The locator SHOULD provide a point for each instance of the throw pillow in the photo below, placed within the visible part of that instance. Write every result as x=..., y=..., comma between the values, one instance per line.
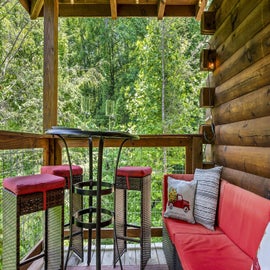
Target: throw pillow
x=207, y=196
x=262, y=260
x=180, y=199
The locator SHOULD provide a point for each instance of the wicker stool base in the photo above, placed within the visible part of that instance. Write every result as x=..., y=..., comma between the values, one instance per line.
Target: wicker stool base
x=76, y=244
x=16, y=206
x=143, y=185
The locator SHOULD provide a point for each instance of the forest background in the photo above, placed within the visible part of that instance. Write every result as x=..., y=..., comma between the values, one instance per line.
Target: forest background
x=131, y=74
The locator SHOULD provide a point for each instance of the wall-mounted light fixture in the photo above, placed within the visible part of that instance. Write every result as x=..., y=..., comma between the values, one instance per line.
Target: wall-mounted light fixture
x=208, y=60
x=208, y=23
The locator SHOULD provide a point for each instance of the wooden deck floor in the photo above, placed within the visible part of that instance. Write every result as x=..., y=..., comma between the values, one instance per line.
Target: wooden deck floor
x=131, y=257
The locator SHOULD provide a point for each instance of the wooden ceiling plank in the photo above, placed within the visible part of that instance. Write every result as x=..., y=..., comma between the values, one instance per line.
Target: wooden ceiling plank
x=84, y=10
x=113, y=5
x=36, y=6
x=179, y=11
x=161, y=9
x=131, y=2
x=124, y=11
x=200, y=9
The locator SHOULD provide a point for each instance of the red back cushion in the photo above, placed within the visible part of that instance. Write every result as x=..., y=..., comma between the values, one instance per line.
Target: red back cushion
x=243, y=216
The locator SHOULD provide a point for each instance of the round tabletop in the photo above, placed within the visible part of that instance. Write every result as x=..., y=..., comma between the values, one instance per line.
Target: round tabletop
x=76, y=132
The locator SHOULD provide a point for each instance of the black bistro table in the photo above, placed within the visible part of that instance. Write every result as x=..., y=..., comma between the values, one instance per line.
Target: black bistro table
x=94, y=216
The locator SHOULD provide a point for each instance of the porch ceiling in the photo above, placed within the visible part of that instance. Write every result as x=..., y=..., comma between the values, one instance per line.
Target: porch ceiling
x=120, y=8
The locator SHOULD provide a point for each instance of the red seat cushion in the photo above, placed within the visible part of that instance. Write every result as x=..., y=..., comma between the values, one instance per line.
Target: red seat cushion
x=210, y=252
x=62, y=170
x=21, y=185
x=136, y=172
x=175, y=226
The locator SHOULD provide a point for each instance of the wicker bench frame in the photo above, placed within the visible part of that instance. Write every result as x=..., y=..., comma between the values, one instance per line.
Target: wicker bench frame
x=169, y=250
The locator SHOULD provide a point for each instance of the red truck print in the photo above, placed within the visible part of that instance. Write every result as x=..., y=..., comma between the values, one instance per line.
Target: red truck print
x=177, y=200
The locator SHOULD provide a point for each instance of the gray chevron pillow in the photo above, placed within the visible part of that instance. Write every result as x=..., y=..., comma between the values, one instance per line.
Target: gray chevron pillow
x=206, y=197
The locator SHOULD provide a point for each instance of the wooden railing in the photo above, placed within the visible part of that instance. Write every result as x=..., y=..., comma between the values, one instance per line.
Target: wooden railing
x=53, y=148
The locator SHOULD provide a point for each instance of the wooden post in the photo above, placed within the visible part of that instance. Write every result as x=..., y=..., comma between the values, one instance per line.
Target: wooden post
x=196, y=153
x=50, y=76
x=189, y=158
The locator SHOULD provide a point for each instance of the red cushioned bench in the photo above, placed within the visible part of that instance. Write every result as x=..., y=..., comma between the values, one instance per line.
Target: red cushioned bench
x=241, y=221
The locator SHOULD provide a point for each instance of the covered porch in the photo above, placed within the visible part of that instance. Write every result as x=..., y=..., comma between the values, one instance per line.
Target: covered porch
x=236, y=99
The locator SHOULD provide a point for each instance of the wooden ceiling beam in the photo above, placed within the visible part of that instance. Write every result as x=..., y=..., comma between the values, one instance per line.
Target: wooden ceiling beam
x=113, y=5
x=124, y=11
x=36, y=6
x=161, y=9
x=130, y=2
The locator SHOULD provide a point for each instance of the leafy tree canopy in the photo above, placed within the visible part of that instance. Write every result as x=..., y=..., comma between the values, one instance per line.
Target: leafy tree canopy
x=132, y=74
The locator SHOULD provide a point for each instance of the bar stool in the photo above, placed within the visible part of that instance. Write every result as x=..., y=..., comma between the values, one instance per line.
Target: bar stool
x=77, y=203
x=132, y=179
x=28, y=194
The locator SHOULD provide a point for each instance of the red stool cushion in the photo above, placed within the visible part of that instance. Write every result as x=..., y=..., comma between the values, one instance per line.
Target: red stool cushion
x=62, y=170
x=21, y=185
x=131, y=171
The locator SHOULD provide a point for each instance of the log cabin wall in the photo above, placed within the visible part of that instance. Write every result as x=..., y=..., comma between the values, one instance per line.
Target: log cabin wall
x=241, y=112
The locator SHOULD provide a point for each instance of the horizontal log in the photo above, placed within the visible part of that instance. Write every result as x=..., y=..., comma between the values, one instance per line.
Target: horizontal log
x=253, y=105
x=248, y=80
x=255, y=132
x=255, y=49
x=229, y=17
x=251, y=182
x=254, y=160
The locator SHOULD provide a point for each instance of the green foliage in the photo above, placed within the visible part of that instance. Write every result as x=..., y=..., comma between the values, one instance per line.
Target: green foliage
x=100, y=60
x=148, y=69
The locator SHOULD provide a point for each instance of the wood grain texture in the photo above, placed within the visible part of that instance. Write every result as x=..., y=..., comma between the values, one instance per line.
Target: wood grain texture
x=255, y=132
x=50, y=81
x=251, y=182
x=250, y=79
x=253, y=160
x=253, y=105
